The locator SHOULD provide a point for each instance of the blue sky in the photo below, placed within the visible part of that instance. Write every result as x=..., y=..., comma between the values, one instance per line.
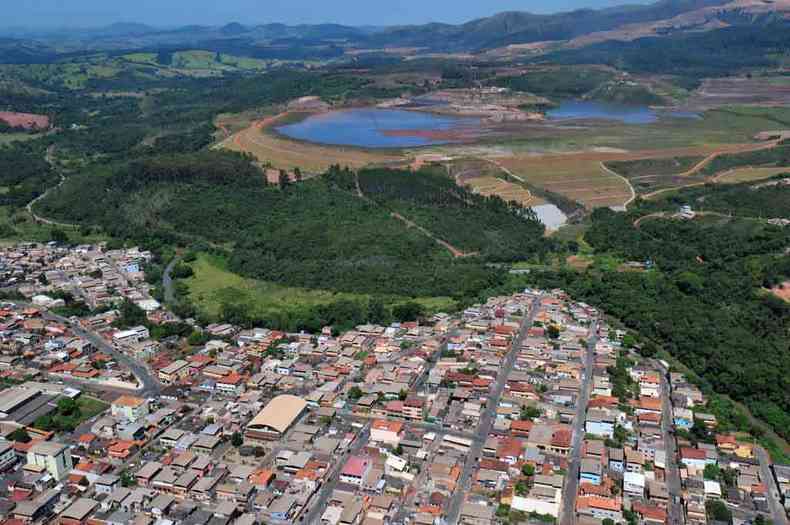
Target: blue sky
x=83, y=13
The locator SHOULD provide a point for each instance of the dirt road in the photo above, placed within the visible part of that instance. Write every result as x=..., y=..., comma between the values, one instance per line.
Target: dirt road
x=50, y=157
x=411, y=224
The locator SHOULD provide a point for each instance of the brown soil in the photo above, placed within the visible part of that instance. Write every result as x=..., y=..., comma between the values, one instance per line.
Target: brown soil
x=577, y=263
x=782, y=291
x=24, y=120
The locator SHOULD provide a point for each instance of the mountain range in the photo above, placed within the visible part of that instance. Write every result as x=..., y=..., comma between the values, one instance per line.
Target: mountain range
x=568, y=29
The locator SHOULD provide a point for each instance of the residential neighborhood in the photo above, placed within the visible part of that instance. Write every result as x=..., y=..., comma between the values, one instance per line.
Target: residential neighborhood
x=528, y=408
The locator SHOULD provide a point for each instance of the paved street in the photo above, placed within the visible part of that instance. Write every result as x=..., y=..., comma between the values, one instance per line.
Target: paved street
x=167, y=282
x=568, y=511
x=675, y=508
x=149, y=384
x=487, y=419
x=318, y=506
x=778, y=515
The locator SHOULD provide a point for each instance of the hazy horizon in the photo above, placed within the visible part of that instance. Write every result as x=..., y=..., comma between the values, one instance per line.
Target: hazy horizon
x=51, y=14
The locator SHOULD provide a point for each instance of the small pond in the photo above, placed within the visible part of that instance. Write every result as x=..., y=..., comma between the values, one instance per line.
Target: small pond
x=587, y=109
x=550, y=215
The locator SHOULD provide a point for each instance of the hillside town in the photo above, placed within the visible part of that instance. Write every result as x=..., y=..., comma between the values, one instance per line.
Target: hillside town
x=529, y=408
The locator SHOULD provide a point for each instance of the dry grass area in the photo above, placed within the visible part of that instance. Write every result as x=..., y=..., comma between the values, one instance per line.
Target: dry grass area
x=577, y=176
x=283, y=153
x=582, y=176
x=749, y=174
x=508, y=191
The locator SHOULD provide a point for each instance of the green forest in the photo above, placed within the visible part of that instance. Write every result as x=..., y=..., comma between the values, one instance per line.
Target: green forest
x=24, y=173
x=768, y=199
x=705, y=300
x=658, y=166
x=498, y=231
x=778, y=156
x=315, y=234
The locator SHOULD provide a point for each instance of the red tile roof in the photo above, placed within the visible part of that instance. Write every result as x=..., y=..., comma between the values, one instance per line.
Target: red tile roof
x=692, y=453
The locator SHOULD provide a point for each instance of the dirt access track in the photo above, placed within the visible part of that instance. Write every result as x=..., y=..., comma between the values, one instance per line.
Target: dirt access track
x=583, y=177
x=741, y=148
x=267, y=147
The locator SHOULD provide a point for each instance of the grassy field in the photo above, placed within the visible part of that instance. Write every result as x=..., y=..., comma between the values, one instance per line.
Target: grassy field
x=7, y=138
x=749, y=174
x=655, y=166
x=578, y=177
x=486, y=178
x=142, y=58
x=213, y=285
x=77, y=73
x=287, y=154
x=90, y=406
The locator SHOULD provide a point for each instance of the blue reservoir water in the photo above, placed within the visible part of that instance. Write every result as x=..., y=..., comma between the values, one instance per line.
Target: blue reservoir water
x=377, y=128
x=585, y=109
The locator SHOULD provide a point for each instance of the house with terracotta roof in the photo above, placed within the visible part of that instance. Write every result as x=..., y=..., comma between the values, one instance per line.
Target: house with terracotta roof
x=129, y=408
x=510, y=450
x=650, y=514
x=386, y=432
x=262, y=478
x=521, y=428
x=561, y=441
x=694, y=458
x=650, y=385
x=122, y=449
x=599, y=507
x=413, y=408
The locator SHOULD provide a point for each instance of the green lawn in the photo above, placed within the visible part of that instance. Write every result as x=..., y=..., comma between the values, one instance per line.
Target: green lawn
x=90, y=406
x=7, y=138
x=213, y=284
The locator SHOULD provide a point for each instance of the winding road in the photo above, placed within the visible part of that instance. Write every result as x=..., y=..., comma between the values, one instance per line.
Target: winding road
x=149, y=385
x=29, y=207
x=609, y=171
x=748, y=148
x=167, y=282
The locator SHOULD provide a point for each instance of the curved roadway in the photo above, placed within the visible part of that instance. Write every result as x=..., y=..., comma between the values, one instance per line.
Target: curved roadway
x=149, y=386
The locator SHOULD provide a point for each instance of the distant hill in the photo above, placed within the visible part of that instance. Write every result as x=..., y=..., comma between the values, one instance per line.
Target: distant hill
x=567, y=30
x=524, y=28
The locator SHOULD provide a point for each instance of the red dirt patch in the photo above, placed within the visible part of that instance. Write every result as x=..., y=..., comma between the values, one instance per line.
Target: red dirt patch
x=782, y=291
x=24, y=120
x=459, y=134
x=578, y=263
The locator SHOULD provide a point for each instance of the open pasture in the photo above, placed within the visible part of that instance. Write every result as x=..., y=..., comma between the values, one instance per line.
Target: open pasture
x=579, y=177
